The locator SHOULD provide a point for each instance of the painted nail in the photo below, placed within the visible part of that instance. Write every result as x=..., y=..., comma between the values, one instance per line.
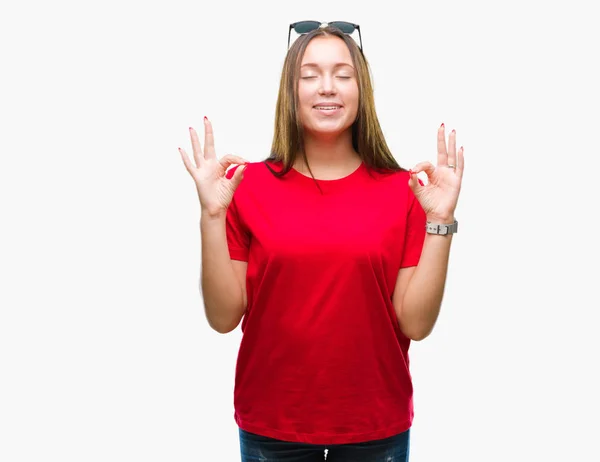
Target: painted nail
x=205, y=118
x=411, y=172
x=442, y=124
x=453, y=131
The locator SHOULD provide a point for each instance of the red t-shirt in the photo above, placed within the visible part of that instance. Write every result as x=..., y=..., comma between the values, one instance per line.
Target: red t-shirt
x=322, y=358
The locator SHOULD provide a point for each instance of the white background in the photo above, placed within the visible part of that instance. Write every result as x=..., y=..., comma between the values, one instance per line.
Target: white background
x=105, y=352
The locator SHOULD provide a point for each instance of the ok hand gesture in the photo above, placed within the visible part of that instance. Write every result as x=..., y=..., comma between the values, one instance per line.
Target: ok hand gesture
x=215, y=191
x=440, y=195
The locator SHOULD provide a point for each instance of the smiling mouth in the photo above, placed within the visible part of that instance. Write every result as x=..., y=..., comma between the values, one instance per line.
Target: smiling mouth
x=328, y=111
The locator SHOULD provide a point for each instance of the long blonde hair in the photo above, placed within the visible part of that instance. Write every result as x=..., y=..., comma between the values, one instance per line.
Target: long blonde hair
x=367, y=137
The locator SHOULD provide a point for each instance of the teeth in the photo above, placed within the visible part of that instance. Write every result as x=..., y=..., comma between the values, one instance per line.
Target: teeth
x=327, y=107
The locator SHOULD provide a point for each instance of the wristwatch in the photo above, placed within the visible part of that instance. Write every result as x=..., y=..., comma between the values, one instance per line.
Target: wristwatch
x=435, y=228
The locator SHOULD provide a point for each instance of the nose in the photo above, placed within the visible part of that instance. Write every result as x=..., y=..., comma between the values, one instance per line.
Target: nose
x=327, y=85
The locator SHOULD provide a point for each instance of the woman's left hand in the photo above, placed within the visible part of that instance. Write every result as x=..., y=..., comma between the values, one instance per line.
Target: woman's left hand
x=440, y=195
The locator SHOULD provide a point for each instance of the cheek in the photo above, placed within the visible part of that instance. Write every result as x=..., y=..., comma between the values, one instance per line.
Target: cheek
x=304, y=100
x=305, y=93
x=350, y=93
x=355, y=95
x=352, y=99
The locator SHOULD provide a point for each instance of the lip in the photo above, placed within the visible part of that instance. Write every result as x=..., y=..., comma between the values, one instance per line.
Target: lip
x=328, y=112
x=328, y=103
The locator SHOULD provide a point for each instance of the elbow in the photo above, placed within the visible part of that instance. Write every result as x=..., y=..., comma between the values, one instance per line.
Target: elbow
x=416, y=324
x=222, y=327
x=224, y=324
x=420, y=335
x=223, y=317
x=416, y=333
x=224, y=330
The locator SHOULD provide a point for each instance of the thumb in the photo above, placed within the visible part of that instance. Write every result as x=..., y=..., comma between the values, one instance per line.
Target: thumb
x=238, y=176
x=413, y=181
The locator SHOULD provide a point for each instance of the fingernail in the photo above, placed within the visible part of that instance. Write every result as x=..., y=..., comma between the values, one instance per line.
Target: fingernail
x=442, y=124
x=453, y=131
x=411, y=172
x=190, y=128
x=205, y=118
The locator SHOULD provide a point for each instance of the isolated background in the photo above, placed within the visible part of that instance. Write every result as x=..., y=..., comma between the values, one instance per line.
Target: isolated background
x=105, y=353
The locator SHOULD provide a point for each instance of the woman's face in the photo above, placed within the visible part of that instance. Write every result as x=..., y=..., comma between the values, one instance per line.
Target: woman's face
x=328, y=87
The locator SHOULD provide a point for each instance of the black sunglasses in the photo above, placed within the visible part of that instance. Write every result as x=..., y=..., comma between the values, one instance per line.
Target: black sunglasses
x=304, y=27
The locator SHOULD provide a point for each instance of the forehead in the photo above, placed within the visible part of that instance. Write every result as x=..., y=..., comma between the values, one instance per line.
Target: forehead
x=326, y=50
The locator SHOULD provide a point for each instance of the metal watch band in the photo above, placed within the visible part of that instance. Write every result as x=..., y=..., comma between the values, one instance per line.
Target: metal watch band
x=435, y=228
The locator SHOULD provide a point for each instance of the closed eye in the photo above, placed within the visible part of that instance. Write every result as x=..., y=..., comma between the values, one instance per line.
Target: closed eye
x=338, y=76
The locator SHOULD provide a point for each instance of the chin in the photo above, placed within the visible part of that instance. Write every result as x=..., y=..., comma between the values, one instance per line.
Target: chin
x=328, y=128
x=327, y=133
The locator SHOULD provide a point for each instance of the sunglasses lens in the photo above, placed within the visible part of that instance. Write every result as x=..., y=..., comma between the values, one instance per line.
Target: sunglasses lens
x=345, y=27
x=305, y=27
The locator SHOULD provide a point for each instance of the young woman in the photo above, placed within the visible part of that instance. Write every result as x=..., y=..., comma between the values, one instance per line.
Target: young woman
x=335, y=258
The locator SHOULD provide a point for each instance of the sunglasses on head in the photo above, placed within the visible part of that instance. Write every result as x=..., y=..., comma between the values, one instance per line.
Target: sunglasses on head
x=304, y=27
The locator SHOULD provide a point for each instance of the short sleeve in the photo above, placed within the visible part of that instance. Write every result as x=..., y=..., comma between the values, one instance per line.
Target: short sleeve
x=238, y=237
x=415, y=233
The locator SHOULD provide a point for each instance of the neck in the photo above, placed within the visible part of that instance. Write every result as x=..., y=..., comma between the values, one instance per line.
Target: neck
x=329, y=152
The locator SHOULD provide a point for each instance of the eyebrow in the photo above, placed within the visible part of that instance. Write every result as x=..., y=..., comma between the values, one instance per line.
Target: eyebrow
x=335, y=65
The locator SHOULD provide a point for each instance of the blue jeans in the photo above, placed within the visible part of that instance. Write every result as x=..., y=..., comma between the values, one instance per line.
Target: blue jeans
x=256, y=448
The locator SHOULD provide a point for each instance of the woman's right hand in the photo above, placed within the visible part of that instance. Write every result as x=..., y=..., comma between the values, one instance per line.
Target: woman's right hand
x=215, y=191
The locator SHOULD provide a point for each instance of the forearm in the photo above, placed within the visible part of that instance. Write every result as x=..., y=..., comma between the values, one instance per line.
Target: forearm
x=221, y=291
x=423, y=296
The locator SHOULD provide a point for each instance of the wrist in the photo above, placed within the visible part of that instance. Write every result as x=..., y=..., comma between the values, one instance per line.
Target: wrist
x=210, y=216
x=441, y=225
x=441, y=219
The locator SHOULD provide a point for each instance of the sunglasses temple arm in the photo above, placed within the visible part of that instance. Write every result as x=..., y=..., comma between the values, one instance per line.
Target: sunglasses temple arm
x=360, y=38
x=289, y=34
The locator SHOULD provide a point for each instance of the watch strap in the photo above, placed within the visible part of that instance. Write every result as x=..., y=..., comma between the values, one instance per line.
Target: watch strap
x=442, y=229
